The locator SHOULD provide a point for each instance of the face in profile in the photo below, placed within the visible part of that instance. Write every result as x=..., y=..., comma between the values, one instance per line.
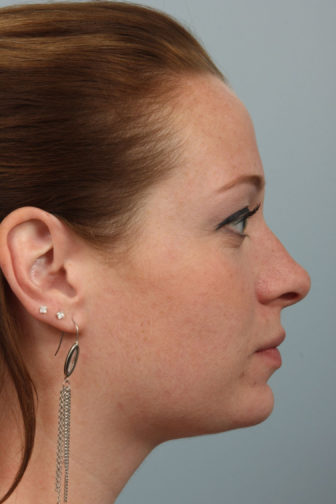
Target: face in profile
x=201, y=293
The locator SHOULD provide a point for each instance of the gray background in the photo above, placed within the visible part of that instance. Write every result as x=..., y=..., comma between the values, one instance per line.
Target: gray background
x=280, y=58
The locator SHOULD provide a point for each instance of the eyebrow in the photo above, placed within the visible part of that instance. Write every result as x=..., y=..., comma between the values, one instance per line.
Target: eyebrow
x=256, y=180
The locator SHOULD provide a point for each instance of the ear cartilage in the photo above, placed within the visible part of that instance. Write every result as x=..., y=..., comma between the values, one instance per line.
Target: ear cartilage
x=60, y=315
x=43, y=309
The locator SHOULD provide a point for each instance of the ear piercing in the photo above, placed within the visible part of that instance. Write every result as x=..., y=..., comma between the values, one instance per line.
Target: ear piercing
x=60, y=315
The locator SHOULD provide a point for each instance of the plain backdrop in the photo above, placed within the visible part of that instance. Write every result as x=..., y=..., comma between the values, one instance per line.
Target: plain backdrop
x=280, y=58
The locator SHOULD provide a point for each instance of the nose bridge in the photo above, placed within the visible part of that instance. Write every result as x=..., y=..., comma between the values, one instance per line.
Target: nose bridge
x=281, y=277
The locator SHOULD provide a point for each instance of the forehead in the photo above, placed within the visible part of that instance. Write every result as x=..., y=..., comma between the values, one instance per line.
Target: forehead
x=217, y=132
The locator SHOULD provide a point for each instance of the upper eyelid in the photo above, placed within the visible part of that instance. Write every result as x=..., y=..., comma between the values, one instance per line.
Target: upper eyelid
x=238, y=216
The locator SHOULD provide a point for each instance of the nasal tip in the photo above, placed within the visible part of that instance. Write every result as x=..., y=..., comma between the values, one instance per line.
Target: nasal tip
x=302, y=287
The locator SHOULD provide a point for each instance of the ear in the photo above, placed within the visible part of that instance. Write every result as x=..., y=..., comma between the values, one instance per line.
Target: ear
x=41, y=260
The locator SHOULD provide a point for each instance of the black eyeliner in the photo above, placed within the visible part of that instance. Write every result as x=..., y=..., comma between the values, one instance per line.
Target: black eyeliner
x=238, y=216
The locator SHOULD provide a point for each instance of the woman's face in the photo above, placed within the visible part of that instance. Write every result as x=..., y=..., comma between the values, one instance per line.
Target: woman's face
x=186, y=311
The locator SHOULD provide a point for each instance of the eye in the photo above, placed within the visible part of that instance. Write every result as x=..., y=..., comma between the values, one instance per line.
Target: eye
x=238, y=220
x=239, y=226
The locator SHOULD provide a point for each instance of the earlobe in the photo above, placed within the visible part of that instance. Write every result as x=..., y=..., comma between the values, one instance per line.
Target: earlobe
x=34, y=248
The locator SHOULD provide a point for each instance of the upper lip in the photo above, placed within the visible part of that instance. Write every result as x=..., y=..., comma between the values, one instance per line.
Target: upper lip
x=274, y=343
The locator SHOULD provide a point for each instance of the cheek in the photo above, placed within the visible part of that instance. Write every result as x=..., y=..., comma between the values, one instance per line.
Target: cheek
x=182, y=347
x=197, y=323
x=191, y=364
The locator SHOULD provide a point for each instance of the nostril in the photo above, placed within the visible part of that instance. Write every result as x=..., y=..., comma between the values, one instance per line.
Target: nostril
x=290, y=296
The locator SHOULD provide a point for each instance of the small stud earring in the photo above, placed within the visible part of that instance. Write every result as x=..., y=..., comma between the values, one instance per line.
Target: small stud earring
x=43, y=309
x=60, y=315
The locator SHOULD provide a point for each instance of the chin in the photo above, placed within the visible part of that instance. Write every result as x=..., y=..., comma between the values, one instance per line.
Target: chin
x=252, y=409
x=258, y=408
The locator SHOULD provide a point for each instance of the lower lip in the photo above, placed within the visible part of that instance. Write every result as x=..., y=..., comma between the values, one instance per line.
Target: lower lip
x=272, y=354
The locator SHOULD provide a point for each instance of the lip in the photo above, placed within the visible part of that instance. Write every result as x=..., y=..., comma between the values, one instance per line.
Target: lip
x=274, y=343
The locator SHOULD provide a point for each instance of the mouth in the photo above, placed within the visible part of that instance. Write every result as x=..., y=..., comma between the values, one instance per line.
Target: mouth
x=270, y=352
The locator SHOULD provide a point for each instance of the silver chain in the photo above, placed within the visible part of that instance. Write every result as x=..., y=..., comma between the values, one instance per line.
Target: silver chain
x=64, y=413
x=63, y=441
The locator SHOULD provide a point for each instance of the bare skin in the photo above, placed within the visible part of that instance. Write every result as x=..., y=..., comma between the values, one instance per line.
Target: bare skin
x=169, y=335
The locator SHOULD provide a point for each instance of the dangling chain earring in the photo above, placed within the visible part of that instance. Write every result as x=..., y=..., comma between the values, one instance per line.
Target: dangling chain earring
x=64, y=413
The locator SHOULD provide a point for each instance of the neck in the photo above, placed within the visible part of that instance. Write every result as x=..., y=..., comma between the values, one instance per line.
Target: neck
x=103, y=455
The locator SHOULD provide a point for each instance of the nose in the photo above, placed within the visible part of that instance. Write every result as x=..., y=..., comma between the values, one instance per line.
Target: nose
x=281, y=280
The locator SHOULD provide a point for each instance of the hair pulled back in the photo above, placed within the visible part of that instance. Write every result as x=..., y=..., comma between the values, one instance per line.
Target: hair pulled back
x=86, y=96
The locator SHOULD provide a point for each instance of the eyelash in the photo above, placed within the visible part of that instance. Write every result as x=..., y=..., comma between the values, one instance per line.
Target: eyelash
x=238, y=217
